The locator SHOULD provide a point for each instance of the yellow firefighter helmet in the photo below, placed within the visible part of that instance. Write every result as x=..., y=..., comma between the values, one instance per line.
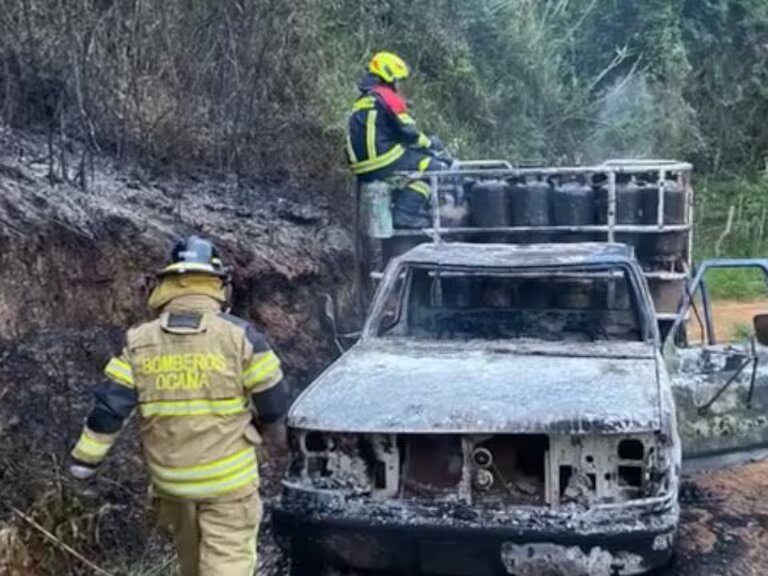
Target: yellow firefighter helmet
x=389, y=67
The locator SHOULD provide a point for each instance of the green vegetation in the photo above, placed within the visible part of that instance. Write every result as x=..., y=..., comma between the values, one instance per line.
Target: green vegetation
x=741, y=332
x=745, y=204
x=262, y=88
x=737, y=285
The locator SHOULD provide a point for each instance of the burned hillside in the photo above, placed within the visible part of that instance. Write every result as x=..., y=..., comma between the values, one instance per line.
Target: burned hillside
x=75, y=265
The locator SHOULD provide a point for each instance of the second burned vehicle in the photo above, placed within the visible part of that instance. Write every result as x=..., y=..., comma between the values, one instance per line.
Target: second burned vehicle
x=508, y=410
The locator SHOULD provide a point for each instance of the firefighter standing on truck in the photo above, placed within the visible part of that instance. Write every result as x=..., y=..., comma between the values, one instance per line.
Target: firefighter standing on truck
x=194, y=375
x=383, y=139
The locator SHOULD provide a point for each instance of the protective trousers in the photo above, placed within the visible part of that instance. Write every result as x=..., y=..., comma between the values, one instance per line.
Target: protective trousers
x=412, y=200
x=214, y=538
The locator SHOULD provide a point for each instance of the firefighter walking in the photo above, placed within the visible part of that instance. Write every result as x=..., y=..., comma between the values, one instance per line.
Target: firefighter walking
x=195, y=376
x=383, y=139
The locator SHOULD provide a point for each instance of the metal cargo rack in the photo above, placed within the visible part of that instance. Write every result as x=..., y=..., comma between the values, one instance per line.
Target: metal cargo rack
x=674, y=271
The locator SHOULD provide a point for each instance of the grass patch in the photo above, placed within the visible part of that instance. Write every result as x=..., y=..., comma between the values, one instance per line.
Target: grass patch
x=740, y=332
x=743, y=284
x=747, y=200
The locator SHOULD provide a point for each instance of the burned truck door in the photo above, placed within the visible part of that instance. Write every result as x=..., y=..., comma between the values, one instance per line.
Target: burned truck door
x=721, y=389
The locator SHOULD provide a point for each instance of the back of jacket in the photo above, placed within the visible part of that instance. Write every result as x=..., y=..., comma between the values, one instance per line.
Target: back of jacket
x=192, y=372
x=379, y=130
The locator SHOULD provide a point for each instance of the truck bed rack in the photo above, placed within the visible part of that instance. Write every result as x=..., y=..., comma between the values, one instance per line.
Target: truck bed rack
x=665, y=275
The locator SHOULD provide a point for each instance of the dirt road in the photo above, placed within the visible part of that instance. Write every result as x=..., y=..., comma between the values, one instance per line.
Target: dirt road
x=730, y=319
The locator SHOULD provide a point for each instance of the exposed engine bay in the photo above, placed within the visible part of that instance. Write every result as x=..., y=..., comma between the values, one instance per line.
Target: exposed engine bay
x=492, y=470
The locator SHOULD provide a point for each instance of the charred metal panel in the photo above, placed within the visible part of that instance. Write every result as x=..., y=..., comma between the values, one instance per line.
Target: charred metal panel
x=659, y=513
x=333, y=462
x=450, y=498
x=509, y=470
x=538, y=559
x=385, y=467
x=593, y=469
x=395, y=535
x=722, y=399
x=406, y=385
x=490, y=471
x=518, y=255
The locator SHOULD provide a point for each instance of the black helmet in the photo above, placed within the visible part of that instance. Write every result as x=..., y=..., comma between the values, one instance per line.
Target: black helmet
x=194, y=255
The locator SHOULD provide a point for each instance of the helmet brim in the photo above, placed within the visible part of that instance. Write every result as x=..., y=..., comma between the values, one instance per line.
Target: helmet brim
x=178, y=268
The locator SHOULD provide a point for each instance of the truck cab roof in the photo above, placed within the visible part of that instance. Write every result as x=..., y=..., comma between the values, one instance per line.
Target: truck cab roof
x=517, y=255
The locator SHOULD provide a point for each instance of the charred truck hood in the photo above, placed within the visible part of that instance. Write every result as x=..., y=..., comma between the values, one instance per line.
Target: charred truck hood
x=410, y=386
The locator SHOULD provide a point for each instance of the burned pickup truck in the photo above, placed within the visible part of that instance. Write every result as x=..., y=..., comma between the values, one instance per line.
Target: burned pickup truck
x=508, y=410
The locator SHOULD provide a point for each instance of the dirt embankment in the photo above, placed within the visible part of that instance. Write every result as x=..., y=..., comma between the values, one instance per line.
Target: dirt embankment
x=72, y=268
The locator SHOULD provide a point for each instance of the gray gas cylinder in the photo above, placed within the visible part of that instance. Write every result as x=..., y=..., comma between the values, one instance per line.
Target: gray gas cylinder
x=629, y=201
x=666, y=246
x=531, y=199
x=667, y=294
x=674, y=202
x=490, y=201
x=573, y=204
x=629, y=207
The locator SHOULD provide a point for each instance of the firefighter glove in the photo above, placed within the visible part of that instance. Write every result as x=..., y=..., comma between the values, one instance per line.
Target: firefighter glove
x=435, y=144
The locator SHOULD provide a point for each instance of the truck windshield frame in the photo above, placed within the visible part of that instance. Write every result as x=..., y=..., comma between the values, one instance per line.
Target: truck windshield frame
x=397, y=290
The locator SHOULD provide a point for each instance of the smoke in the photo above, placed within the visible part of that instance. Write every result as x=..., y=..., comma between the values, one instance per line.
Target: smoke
x=625, y=124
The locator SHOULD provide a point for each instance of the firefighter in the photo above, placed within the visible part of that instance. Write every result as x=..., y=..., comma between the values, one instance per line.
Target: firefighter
x=197, y=377
x=383, y=139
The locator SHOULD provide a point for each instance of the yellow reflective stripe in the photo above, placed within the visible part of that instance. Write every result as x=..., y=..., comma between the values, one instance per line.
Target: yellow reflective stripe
x=420, y=187
x=202, y=407
x=423, y=141
x=90, y=449
x=405, y=118
x=256, y=366
x=381, y=161
x=424, y=163
x=93, y=447
x=366, y=103
x=253, y=552
x=119, y=370
x=210, y=488
x=261, y=368
x=265, y=375
x=209, y=471
x=370, y=134
x=351, y=151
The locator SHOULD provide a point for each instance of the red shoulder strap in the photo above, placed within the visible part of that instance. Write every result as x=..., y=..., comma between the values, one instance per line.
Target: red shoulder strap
x=391, y=99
